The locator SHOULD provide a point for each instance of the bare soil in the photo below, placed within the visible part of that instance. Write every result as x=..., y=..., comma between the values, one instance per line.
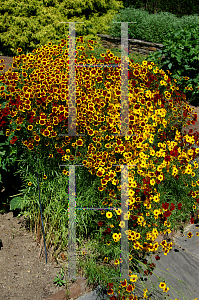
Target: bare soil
x=24, y=274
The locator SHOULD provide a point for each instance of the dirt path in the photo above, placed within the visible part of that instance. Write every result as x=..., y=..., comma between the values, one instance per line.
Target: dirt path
x=23, y=276
x=21, y=272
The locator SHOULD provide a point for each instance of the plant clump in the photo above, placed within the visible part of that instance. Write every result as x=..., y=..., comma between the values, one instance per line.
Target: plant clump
x=34, y=107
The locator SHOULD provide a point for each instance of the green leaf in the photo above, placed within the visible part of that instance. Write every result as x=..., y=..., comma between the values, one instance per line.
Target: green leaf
x=2, y=153
x=16, y=202
x=3, y=105
x=187, y=67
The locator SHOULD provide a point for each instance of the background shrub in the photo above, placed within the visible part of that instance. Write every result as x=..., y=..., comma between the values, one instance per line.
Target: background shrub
x=181, y=58
x=150, y=27
x=31, y=24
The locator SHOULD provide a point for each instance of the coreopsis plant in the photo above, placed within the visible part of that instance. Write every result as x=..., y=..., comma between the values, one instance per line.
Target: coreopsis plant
x=35, y=111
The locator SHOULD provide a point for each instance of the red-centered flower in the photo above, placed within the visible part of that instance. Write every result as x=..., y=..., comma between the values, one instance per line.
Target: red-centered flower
x=124, y=283
x=110, y=291
x=129, y=288
x=192, y=220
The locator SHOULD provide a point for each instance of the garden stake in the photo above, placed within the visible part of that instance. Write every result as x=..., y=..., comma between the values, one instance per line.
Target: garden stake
x=41, y=217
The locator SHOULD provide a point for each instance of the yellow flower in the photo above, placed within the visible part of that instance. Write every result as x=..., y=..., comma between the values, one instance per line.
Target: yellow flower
x=118, y=211
x=116, y=262
x=134, y=278
x=109, y=214
x=162, y=285
x=7, y=132
x=106, y=259
x=65, y=172
x=122, y=224
x=30, y=127
x=144, y=62
x=29, y=183
x=152, y=181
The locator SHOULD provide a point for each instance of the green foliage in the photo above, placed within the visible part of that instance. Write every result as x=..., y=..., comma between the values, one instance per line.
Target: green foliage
x=181, y=53
x=15, y=203
x=60, y=280
x=179, y=7
x=149, y=27
x=135, y=4
x=32, y=24
x=7, y=153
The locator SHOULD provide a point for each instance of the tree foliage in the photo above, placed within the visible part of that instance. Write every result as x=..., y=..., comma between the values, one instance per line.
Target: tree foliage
x=29, y=24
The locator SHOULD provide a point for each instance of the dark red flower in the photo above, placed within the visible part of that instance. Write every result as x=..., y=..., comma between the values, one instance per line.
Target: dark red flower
x=152, y=266
x=100, y=223
x=179, y=206
x=165, y=205
x=157, y=257
x=107, y=231
x=145, y=261
x=13, y=140
x=172, y=207
x=167, y=214
x=113, y=298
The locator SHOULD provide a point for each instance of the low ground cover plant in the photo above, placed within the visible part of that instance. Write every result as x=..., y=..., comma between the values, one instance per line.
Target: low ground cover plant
x=35, y=111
